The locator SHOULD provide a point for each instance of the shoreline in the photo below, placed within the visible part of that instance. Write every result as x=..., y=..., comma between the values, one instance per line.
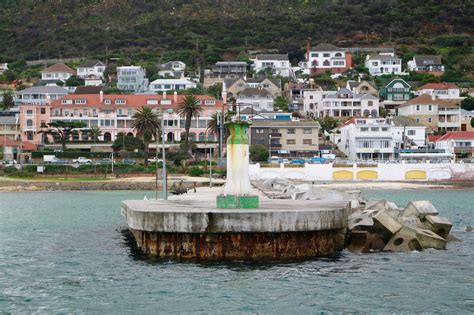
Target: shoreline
x=149, y=183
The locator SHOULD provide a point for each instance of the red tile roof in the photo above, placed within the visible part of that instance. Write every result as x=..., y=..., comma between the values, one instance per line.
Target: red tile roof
x=439, y=86
x=457, y=135
x=427, y=99
x=59, y=67
x=433, y=138
x=25, y=145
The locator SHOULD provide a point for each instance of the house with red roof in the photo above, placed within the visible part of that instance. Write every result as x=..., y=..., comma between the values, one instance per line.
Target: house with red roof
x=443, y=90
x=460, y=143
x=13, y=148
x=57, y=72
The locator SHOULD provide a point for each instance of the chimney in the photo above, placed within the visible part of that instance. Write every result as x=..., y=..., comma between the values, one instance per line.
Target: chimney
x=101, y=96
x=308, y=48
x=164, y=95
x=224, y=93
x=175, y=96
x=433, y=97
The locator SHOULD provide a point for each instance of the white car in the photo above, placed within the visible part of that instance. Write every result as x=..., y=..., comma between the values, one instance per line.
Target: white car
x=82, y=160
x=154, y=160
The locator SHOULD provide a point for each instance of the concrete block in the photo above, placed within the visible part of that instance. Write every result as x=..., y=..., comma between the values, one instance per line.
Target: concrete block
x=420, y=208
x=299, y=195
x=429, y=239
x=404, y=241
x=364, y=242
x=439, y=225
x=386, y=225
x=361, y=224
x=412, y=220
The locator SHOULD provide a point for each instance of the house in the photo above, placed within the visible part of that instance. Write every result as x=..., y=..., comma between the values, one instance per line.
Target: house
x=379, y=138
x=12, y=149
x=362, y=87
x=396, y=92
x=426, y=63
x=258, y=99
x=132, y=79
x=326, y=57
x=345, y=103
x=40, y=95
x=313, y=101
x=161, y=85
x=112, y=113
x=3, y=67
x=294, y=93
x=380, y=64
x=273, y=64
x=466, y=120
x=57, y=72
x=172, y=69
x=9, y=127
x=249, y=114
x=229, y=70
x=235, y=86
x=91, y=70
x=286, y=138
x=461, y=144
x=434, y=113
x=446, y=91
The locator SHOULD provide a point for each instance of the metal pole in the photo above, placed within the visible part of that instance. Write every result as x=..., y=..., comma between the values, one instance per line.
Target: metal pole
x=221, y=135
x=112, y=162
x=156, y=161
x=165, y=184
x=210, y=167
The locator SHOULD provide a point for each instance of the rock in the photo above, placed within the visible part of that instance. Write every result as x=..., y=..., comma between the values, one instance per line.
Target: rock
x=420, y=208
x=404, y=241
x=387, y=226
x=364, y=242
x=439, y=225
x=468, y=228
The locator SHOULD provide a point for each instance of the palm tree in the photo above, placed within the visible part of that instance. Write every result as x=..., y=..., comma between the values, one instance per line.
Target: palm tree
x=147, y=125
x=188, y=109
x=94, y=133
x=213, y=124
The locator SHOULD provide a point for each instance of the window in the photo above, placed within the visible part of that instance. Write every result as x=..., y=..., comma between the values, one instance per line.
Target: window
x=338, y=63
x=430, y=108
x=29, y=123
x=411, y=132
x=326, y=55
x=120, y=101
x=371, y=103
x=258, y=130
x=384, y=128
x=29, y=112
x=29, y=135
x=417, y=108
x=314, y=55
x=291, y=141
x=290, y=131
x=209, y=102
x=417, y=119
x=364, y=129
x=274, y=130
x=430, y=119
x=307, y=141
x=307, y=131
x=374, y=129
x=43, y=111
x=80, y=101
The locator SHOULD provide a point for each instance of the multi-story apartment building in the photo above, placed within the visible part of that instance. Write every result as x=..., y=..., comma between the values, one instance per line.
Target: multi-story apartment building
x=57, y=72
x=112, y=113
x=132, y=79
x=277, y=64
x=445, y=91
x=286, y=138
x=381, y=64
x=434, y=113
x=40, y=95
x=326, y=57
x=379, y=138
x=345, y=103
x=162, y=85
x=229, y=70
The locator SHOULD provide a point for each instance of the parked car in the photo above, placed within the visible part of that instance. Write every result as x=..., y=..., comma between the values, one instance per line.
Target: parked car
x=104, y=161
x=317, y=160
x=154, y=160
x=129, y=161
x=82, y=160
x=298, y=162
x=9, y=162
x=285, y=161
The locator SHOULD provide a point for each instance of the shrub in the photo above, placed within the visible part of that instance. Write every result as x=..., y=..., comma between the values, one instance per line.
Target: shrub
x=195, y=171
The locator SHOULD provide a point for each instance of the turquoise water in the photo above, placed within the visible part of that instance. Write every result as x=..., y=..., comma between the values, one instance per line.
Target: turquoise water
x=63, y=252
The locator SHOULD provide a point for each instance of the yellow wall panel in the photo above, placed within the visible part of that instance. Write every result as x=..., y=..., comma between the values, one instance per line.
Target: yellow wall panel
x=367, y=175
x=347, y=175
x=415, y=174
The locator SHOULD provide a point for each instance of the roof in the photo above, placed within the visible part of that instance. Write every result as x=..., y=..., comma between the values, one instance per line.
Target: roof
x=169, y=65
x=465, y=112
x=438, y=86
x=427, y=99
x=172, y=81
x=325, y=47
x=284, y=123
x=8, y=120
x=398, y=79
x=132, y=100
x=354, y=84
x=427, y=60
x=88, y=89
x=433, y=138
x=382, y=57
x=453, y=135
x=254, y=91
x=25, y=145
x=44, y=90
x=59, y=67
x=90, y=63
x=272, y=57
x=231, y=63
x=405, y=122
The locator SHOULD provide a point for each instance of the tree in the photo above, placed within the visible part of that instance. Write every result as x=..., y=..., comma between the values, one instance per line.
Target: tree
x=328, y=123
x=383, y=112
x=188, y=109
x=63, y=130
x=258, y=153
x=7, y=101
x=147, y=125
x=281, y=103
x=213, y=125
x=215, y=90
x=74, y=80
x=468, y=103
x=95, y=133
x=127, y=143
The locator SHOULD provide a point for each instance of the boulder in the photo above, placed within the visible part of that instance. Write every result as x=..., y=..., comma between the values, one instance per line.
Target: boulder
x=439, y=225
x=420, y=208
x=404, y=241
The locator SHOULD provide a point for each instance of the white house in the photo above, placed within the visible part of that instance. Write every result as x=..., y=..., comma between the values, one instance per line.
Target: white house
x=313, y=101
x=345, y=103
x=91, y=69
x=380, y=64
x=57, y=72
x=256, y=98
x=461, y=143
x=277, y=63
x=40, y=95
x=161, y=85
x=132, y=79
x=446, y=91
x=407, y=133
x=326, y=57
x=425, y=63
x=172, y=69
x=3, y=67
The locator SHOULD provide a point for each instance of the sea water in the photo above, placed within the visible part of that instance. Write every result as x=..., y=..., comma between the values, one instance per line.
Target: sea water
x=63, y=252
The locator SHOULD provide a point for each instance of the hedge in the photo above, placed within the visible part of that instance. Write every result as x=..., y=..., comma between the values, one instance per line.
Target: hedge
x=76, y=154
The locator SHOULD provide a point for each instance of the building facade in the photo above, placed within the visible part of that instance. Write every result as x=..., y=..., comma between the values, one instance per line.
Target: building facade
x=326, y=57
x=380, y=64
x=396, y=92
x=426, y=63
x=445, y=91
x=345, y=103
x=275, y=64
x=57, y=72
x=91, y=69
x=258, y=99
x=461, y=144
x=40, y=95
x=162, y=85
x=132, y=79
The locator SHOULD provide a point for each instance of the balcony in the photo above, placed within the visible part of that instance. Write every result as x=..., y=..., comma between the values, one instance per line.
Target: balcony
x=449, y=124
x=275, y=146
x=275, y=135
